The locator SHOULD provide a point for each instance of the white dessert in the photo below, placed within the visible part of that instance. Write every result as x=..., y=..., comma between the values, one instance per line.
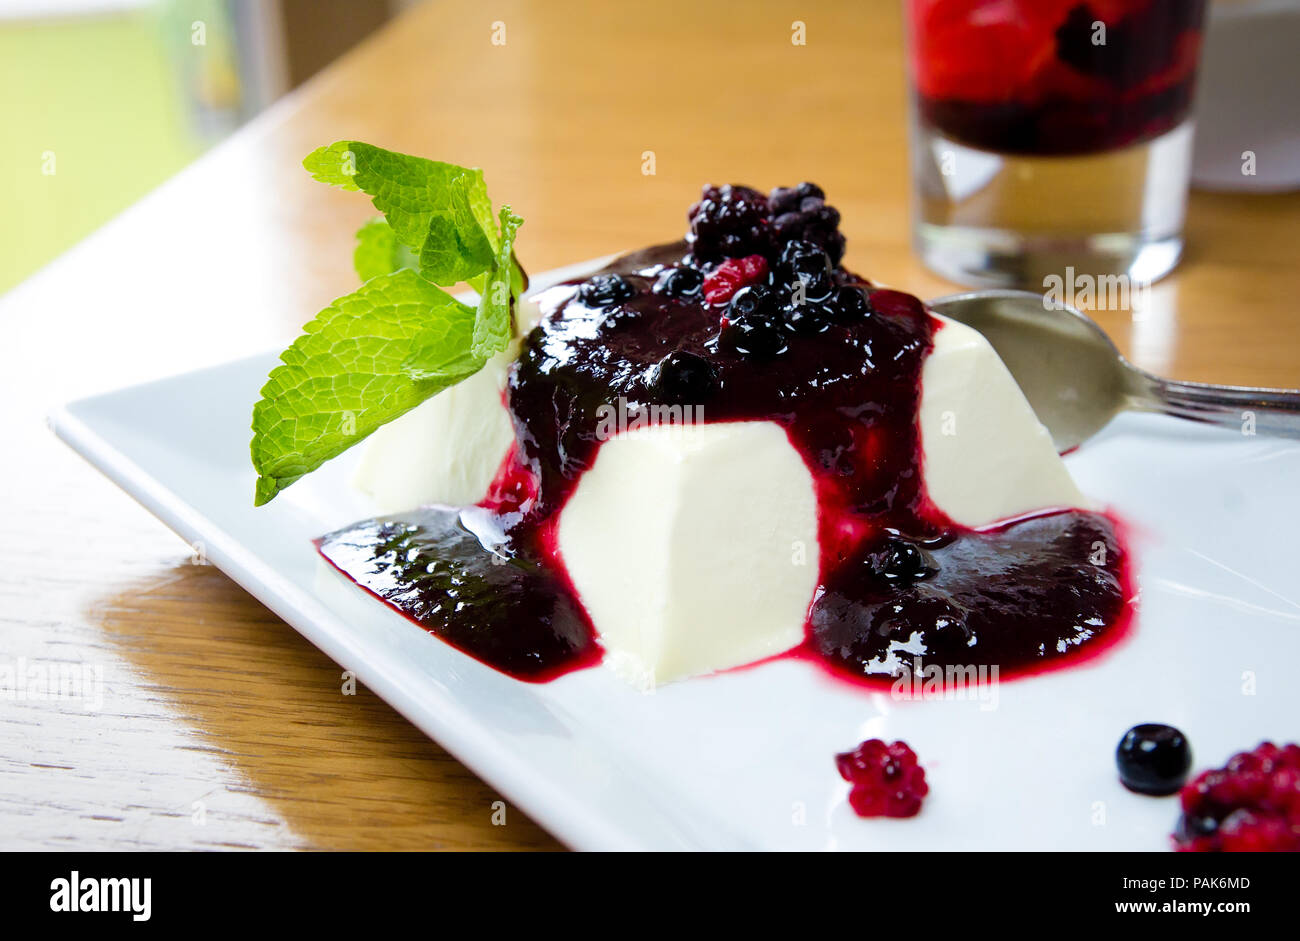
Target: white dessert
x=448, y=449
x=986, y=456
x=694, y=548
x=445, y=450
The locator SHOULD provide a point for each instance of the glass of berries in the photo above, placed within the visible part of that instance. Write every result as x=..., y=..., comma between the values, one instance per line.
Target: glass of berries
x=1051, y=138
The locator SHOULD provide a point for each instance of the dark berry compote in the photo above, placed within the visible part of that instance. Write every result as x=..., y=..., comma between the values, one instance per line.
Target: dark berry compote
x=1054, y=76
x=751, y=318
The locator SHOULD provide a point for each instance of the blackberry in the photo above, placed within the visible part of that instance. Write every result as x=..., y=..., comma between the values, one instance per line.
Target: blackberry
x=729, y=222
x=787, y=198
x=606, y=290
x=682, y=378
x=801, y=214
x=680, y=282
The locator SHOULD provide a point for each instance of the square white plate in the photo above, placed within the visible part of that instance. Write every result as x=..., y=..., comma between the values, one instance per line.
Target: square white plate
x=744, y=760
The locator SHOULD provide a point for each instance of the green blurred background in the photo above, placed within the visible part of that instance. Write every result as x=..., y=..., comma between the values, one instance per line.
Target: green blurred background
x=105, y=99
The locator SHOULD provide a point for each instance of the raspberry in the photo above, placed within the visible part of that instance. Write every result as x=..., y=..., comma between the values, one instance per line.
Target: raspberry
x=1251, y=804
x=886, y=780
x=732, y=275
x=728, y=222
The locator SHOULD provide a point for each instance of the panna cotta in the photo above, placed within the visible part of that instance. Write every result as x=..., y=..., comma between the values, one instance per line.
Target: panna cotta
x=716, y=451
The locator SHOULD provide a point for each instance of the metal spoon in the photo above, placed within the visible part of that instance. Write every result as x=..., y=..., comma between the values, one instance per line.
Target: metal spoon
x=1077, y=381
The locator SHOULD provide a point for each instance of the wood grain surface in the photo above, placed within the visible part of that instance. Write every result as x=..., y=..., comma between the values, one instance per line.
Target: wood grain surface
x=218, y=726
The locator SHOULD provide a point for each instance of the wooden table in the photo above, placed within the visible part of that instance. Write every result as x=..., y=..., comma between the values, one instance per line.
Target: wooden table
x=220, y=726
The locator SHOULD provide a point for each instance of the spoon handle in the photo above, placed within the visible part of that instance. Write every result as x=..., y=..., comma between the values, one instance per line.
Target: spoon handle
x=1249, y=410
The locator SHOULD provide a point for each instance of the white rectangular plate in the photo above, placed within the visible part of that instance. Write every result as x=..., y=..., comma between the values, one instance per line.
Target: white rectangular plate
x=744, y=760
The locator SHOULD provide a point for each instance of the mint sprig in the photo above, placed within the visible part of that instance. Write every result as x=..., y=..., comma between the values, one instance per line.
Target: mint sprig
x=379, y=252
x=378, y=352
x=438, y=210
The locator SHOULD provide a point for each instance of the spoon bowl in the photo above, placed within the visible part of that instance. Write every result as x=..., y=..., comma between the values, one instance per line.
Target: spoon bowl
x=1076, y=380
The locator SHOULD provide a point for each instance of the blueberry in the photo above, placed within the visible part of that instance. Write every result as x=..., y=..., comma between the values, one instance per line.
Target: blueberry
x=753, y=328
x=748, y=302
x=1153, y=759
x=682, y=378
x=808, y=319
x=756, y=337
x=850, y=305
x=812, y=269
x=680, y=282
x=902, y=561
x=621, y=319
x=797, y=247
x=606, y=290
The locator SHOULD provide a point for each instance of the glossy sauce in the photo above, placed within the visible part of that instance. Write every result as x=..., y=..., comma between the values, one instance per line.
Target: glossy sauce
x=490, y=580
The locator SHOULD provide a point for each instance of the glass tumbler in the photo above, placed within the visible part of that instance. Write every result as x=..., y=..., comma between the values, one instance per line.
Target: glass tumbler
x=1051, y=137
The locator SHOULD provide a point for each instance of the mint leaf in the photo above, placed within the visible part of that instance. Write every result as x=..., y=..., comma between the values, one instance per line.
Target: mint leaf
x=493, y=325
x=434, y=352
x=344, y=377
x=438, y=210
x=379, y=252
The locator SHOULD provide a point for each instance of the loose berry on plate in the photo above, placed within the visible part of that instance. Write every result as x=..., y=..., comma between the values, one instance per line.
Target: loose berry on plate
x=606, y=290
x=732, y=275
x=1250, y=804
x=1153, y=759
x=682, y=378
x=887, y=780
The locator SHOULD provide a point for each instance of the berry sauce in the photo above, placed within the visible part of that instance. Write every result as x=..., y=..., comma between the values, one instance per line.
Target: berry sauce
x=453, y=573
x=793, y=339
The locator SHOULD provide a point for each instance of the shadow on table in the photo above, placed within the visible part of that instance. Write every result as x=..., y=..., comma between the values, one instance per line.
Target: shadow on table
x=346, y=771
